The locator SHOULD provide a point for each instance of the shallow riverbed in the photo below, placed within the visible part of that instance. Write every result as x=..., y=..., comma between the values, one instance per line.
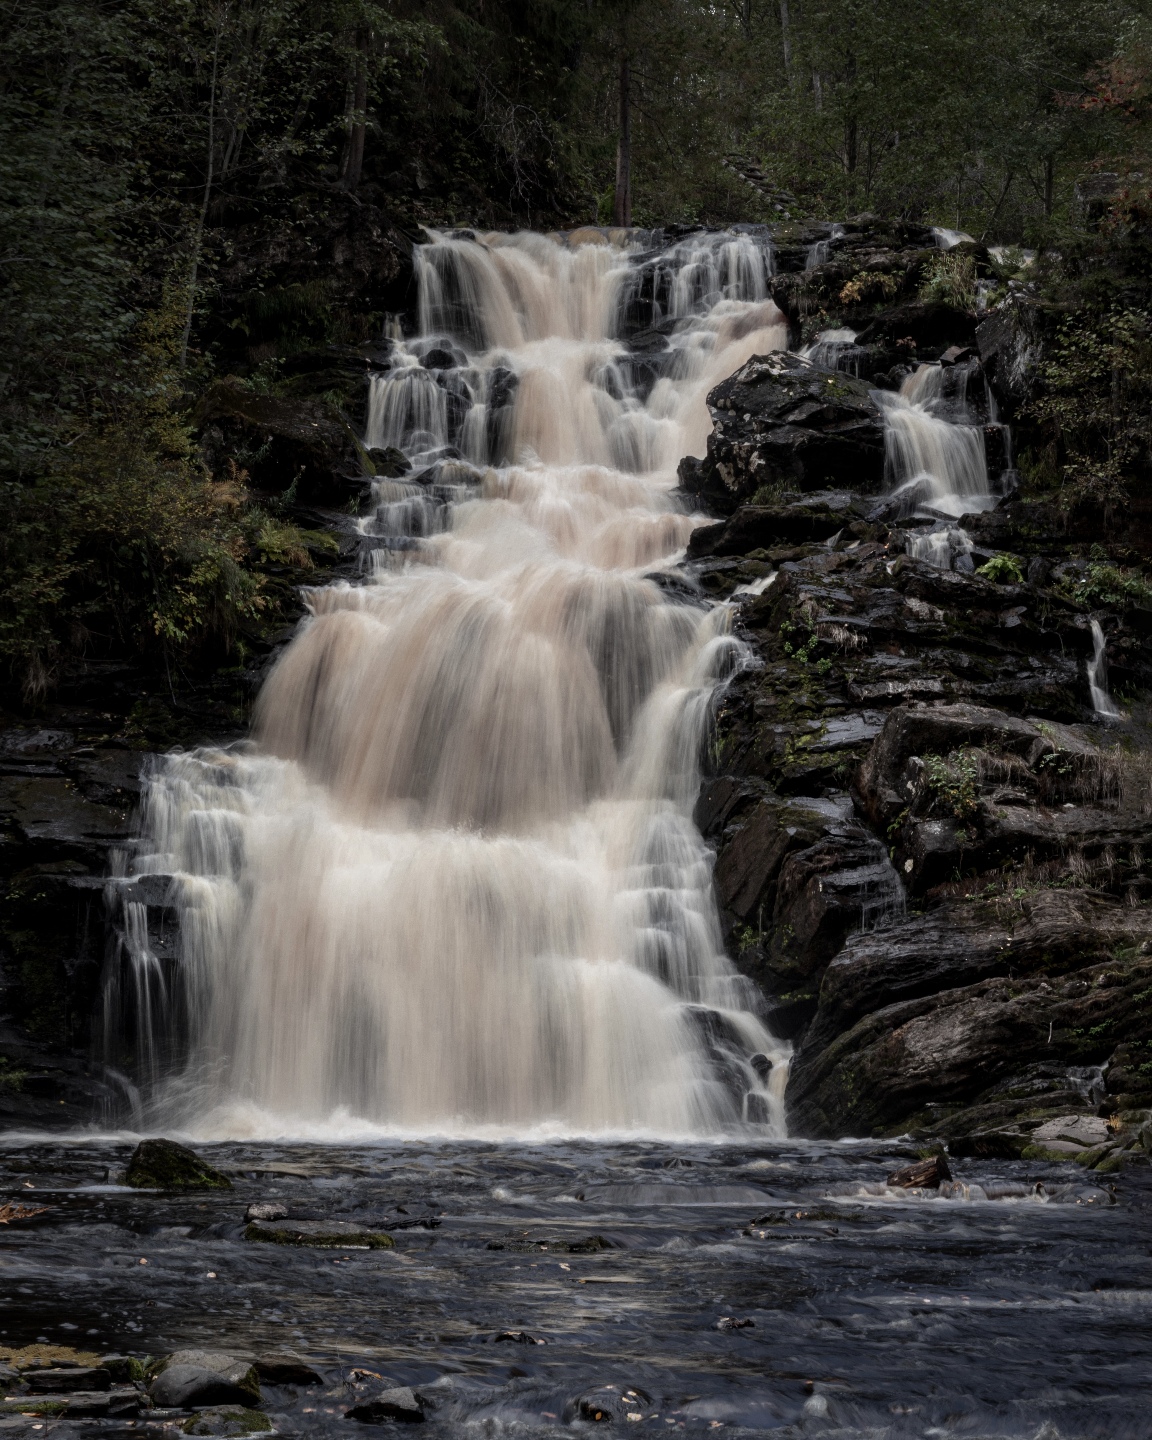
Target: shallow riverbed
x=872, y=1314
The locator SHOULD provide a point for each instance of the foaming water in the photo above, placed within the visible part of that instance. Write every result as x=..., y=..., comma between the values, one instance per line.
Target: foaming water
x=452, y=886
x=836, y=350
x=935, y=456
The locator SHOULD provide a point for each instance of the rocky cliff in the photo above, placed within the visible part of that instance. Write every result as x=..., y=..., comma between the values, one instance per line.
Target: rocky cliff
x=930, y=843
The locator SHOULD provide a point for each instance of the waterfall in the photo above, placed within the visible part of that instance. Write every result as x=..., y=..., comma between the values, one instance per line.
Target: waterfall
x=452, y=884
x=948, y=547
x=820, y=251
x=836, y=350
x=935, y=459
x=1103, y=704
x=946, y=239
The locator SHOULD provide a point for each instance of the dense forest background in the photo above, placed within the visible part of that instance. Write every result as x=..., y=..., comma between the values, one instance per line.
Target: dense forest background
x=199, y=189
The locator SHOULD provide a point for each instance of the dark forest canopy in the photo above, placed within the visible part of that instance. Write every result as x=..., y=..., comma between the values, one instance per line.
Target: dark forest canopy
x=176, y=176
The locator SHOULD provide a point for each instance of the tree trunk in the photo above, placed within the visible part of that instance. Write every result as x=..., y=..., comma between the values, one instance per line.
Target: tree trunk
x=851, y=152
x=352, y=163
x=622, y=204
x=209, y=176
x=1049, y=183
x=786, y=39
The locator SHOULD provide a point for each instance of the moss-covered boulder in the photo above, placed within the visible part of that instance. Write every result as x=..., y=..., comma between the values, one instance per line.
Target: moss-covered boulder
x=164, y=1165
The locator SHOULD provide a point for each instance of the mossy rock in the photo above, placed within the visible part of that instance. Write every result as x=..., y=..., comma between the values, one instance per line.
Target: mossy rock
x=164, y=1165
x=1040, y=1152
x=232, y=1420
x=326, y=1234
x=1092, y=1159
x=33, y=1405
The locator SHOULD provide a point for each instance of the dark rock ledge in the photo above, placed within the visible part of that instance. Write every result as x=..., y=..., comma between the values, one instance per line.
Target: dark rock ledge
x=931, y=855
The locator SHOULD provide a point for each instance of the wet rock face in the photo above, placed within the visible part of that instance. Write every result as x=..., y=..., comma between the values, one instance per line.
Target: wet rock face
x=925, y=857
x=781, y=421
x=930, y=854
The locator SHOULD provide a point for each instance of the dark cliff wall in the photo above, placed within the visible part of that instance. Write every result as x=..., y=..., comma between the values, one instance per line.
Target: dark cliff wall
x=930, y=850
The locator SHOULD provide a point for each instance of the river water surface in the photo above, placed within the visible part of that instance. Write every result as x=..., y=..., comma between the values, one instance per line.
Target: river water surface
x=872, y=1314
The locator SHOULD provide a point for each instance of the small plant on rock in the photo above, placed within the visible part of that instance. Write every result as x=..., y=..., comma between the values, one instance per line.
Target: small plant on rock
x=1002, y=570
x=951, y=278
x=953, y=784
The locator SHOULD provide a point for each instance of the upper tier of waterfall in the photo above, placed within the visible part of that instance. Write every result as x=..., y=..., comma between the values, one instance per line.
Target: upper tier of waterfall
x=454, y=885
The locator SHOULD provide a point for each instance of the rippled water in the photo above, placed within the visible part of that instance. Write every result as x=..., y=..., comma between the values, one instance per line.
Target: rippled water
x=873, y=1316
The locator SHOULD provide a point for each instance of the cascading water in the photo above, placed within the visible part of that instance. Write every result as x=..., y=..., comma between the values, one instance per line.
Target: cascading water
x=946, y=239
x=453, y=884
x=1102, y=703
x=820, y=251
x=836, y=350
x=935, y=460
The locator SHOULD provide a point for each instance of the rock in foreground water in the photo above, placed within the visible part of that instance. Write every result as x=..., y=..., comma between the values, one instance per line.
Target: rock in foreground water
x=284, y=1368
x=399, y=1404
x=164, y=1165
x=336, y=1233
x=205, y=1377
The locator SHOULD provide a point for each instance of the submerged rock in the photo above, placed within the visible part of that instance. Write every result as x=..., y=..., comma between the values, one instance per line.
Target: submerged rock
x=164, y=1165
x=329, y=1233
x=608, y=1403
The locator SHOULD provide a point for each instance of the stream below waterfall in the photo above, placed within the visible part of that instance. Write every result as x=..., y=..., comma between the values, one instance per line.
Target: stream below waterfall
x=873, y=1313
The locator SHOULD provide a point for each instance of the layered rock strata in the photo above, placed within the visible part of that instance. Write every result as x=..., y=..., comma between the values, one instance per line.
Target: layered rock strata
x=930, y=847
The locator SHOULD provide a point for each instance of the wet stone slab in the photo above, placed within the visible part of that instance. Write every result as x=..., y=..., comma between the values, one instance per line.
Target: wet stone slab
x=747, y=1287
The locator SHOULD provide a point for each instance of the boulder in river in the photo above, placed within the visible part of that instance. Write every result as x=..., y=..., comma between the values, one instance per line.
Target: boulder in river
x=266, y=1210
x=205, y=1377
x=924, y=1175
x=164, y=1165
x=282, y=1367
x=399, y=1405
